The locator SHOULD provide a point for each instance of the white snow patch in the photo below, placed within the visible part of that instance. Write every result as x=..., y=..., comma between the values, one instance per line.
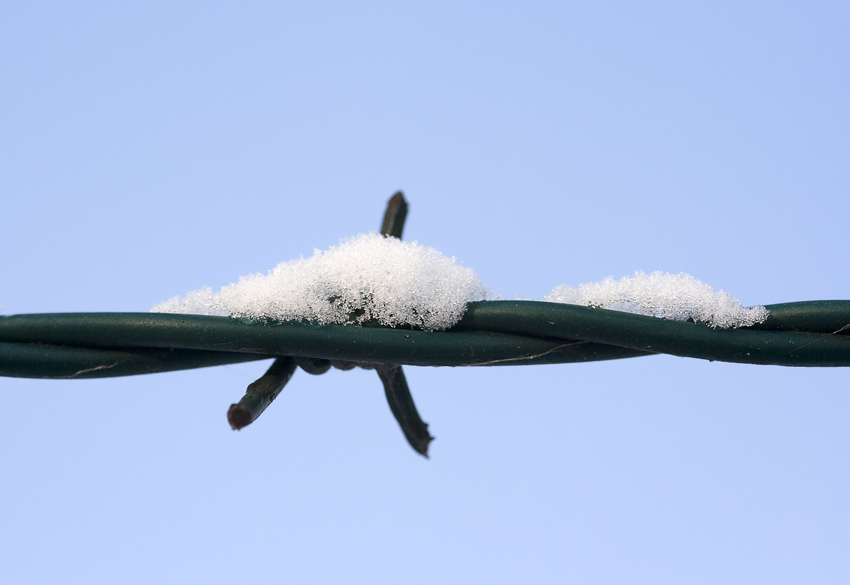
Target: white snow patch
x=363, y=278
x=372, y=277
x=671, y=296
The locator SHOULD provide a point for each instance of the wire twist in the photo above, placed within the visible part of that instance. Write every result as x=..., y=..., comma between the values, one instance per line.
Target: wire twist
x=491, y=333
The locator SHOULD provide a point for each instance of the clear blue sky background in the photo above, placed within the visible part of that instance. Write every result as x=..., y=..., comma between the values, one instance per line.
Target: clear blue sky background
x=149, y=150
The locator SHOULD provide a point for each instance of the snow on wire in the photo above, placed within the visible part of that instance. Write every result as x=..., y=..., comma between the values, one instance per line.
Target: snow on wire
x=297, y=314
x=375, y=278
x=368, y=277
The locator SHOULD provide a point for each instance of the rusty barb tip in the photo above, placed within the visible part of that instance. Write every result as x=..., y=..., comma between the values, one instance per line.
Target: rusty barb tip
x=238, y=416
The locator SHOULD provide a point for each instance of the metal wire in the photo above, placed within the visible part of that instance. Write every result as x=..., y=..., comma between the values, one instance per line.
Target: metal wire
x=96, y=345
x=491, y=333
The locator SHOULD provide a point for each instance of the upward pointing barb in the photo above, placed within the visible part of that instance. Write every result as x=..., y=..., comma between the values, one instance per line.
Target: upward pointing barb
x=394, y=217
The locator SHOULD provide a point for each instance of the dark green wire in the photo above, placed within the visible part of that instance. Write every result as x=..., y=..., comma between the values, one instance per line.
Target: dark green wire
x=492, y=333
x=93, y=345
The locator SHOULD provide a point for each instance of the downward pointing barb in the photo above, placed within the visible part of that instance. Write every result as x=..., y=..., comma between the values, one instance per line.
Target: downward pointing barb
x=261, y=393
x=401, y=404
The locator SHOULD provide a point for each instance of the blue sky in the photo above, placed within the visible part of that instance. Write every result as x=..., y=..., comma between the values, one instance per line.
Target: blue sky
x=149, y=150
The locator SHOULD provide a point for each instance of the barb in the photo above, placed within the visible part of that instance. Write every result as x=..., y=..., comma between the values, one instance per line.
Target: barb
x=403, y=408
x=395, y=215
x=261, y=394
x=392, y=375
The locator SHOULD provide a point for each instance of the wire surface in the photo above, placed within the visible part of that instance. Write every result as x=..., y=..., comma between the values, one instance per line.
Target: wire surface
x=94, y=345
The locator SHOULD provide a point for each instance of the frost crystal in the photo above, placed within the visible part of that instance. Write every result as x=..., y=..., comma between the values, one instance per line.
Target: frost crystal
x=672, y=296
x=368, y=277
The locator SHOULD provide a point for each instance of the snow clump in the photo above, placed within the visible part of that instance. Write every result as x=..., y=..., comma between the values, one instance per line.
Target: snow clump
x=671, y=296
x=367, y=277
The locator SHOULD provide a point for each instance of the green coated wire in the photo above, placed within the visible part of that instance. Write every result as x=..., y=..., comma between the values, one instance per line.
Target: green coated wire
x=491, y=333
x=90, y=345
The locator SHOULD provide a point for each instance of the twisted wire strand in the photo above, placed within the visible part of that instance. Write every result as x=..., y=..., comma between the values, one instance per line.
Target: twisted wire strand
x=94, y=345
x=491, y=333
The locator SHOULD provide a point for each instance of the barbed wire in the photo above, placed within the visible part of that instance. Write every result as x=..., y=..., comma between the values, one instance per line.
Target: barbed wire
x=491, y=333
